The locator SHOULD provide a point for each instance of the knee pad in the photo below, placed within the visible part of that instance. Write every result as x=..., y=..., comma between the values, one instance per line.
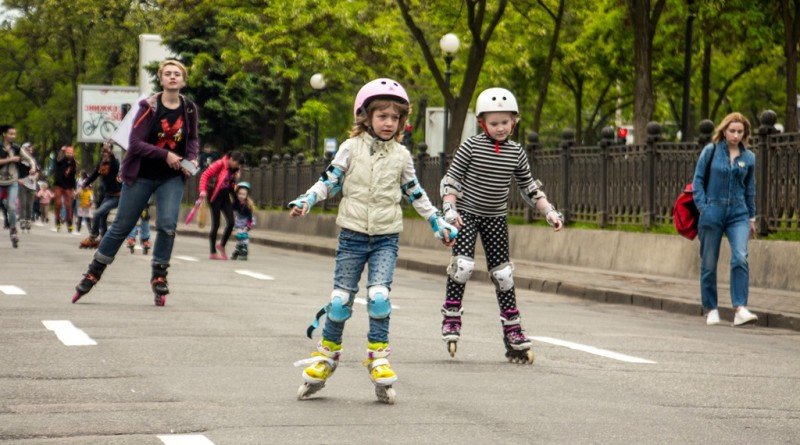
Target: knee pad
x=460, y=268
x=339, y=308
x=378, y=305
x=503, y=276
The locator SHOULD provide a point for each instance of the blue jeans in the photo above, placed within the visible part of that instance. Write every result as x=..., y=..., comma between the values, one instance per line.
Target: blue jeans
x=354, y=252
x=101, y=214
x=144, y=224
x=732, y=220
x=168, y=194
x=10, y=201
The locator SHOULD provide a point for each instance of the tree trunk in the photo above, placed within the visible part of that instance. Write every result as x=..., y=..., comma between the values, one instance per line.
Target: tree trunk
x=705, y=95
x=283, y=107
x=547, y=69
x=644, y=25
x=476, y=19
x=791, y=26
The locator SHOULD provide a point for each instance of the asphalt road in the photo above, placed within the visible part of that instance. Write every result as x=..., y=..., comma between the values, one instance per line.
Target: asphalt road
x=216, y=363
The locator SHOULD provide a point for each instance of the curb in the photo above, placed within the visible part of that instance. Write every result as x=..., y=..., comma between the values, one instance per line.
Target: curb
x=765, y=319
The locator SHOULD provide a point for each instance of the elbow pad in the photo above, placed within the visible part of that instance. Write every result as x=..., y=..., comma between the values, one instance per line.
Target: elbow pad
x=333, y=178
x=533, y=193
x=412, y=190
x=450, y=186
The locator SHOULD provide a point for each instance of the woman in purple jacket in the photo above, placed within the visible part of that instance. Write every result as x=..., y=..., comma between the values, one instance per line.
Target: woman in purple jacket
x=164, y=133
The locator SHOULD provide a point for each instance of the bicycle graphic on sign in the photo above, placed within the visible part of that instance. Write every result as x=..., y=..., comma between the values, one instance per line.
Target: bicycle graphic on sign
x=99, y=120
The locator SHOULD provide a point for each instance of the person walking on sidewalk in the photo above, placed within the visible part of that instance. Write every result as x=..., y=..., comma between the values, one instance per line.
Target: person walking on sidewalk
x=108, y=172
x=373, y=171
x=220, y=179
x=64, y=182
x=727, y=205
x=164, y=134
x=10, y=166
x=479, y=181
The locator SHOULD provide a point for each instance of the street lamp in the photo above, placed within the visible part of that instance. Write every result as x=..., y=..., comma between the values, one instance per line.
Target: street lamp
x=449, y=44
x=317, y=82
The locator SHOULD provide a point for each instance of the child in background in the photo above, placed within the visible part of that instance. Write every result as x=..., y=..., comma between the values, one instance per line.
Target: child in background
x=479, y=180
x=374, y=172
x=143, y=230
x=45, y=196
x=85, y=201
x=243, y=220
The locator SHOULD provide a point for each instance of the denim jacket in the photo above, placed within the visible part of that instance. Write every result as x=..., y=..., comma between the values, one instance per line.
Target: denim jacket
x=730, y=184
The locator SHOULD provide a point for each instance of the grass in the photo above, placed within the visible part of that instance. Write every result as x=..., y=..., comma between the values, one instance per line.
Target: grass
x=663, y=229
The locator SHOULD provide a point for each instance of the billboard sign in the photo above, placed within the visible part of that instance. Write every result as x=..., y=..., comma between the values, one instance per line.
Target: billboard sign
x=101, y=108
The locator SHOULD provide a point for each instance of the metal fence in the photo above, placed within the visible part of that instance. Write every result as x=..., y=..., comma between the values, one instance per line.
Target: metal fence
x=607, y=184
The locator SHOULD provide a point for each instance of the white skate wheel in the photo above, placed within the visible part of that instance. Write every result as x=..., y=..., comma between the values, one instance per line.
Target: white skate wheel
x=385, y=394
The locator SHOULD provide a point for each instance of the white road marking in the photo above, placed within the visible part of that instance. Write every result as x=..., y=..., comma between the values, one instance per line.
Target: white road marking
x=256, y=275
x=185, y=439
x=187, y=258
x=364, y=302
x=592, y=350
x=11, y=290
x=68, y=333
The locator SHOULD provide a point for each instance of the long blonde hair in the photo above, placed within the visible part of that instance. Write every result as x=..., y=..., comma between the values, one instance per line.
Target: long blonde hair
x=363, y=119
x=719, y=133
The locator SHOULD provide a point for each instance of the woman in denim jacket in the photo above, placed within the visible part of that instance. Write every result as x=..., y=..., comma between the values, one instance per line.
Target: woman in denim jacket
x=726, y=200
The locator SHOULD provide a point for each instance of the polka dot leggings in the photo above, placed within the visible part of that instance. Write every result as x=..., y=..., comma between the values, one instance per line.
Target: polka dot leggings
x=494, y=238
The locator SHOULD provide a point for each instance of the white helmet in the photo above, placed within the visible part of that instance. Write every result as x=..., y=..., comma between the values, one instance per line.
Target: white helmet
x=496, y=99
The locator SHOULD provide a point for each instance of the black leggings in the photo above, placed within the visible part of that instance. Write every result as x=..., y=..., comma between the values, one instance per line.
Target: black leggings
x=223, y=203
x=494, y=238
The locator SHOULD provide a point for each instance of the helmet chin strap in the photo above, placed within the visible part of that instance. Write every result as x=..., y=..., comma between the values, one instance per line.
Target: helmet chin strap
x=496, y=142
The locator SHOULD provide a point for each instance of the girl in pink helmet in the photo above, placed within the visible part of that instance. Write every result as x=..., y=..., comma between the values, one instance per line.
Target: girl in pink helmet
x=373, y=171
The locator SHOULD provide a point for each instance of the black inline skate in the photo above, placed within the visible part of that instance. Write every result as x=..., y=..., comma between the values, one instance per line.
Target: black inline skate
x=159, y=284
x=90, y=278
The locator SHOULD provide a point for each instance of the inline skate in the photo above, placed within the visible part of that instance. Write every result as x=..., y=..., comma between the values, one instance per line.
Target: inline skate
x=130, y=243
x=14, y=237
x=322, y=364
x=380, y=372
x=90, y=242
x=90, y=278
x=451, y=325
x=159, y=284
x=518, y=346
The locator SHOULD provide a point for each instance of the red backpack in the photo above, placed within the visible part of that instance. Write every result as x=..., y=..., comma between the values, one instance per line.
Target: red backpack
x=685, y=215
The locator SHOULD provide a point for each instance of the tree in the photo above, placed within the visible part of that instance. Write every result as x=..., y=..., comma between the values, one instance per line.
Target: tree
x=790, y=11
x=644, y=20
x=481, y=24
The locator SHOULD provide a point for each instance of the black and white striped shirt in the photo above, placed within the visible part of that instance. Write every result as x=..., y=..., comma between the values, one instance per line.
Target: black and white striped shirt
x=486, y=175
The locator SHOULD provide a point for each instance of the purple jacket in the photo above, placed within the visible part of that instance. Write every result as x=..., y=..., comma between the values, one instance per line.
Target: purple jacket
x=139, y=147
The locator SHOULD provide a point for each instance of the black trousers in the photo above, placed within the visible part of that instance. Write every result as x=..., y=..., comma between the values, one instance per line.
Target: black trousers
x=223, y=204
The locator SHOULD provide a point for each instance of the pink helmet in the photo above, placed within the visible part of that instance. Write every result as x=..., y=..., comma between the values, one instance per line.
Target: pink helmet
x=378, y=88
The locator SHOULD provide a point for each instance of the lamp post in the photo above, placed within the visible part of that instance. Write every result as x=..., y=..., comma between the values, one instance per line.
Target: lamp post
x=449, y=44
x=317, y=82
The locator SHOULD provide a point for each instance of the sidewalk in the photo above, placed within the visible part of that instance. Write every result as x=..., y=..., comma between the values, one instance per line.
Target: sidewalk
x=775, y=308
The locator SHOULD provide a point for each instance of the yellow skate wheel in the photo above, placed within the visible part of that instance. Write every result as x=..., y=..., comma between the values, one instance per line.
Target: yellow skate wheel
x=451, y=347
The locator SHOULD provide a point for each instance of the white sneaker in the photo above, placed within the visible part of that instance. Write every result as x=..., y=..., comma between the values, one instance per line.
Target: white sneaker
x=713, y=317
x=744, y=316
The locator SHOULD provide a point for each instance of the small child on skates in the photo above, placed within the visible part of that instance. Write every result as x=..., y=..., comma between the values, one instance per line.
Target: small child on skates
x=478, y=181
x=143, y=230
x=243, y=220
x=373, y=171
x=45, y=196
x=85, y=202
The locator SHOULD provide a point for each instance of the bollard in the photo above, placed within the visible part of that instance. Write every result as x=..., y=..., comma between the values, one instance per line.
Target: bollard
x=653, y=137
x=607, y=139
x=767, y=128
x=567, y=142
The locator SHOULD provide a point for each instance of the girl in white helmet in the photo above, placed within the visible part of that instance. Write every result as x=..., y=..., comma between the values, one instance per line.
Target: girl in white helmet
x=373, y=171
x=475, y=193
